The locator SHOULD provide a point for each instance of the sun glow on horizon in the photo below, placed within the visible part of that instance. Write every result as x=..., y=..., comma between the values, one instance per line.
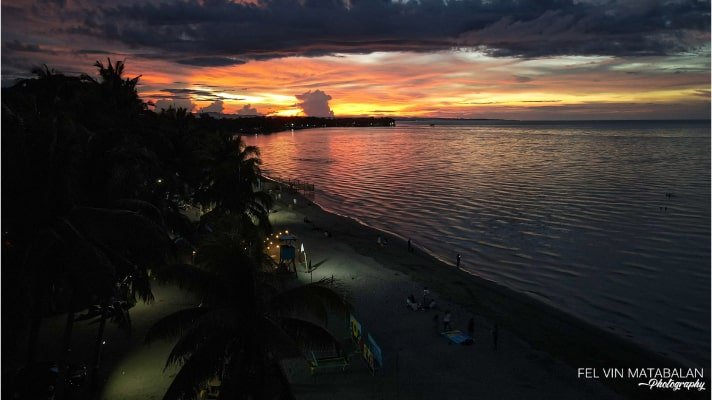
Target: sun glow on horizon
x=455, y=83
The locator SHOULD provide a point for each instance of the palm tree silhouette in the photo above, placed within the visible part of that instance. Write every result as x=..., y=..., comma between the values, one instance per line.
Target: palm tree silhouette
x=64, y=247
x=230, y=172
x=247, y=321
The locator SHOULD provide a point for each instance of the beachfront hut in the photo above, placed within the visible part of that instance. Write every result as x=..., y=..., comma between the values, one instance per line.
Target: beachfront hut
x=288, y=251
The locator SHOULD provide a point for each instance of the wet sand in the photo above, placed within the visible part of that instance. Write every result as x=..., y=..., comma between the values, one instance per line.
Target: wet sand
x=540, y=347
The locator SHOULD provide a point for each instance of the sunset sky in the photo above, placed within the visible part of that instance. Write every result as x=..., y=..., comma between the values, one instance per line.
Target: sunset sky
x=535, y=59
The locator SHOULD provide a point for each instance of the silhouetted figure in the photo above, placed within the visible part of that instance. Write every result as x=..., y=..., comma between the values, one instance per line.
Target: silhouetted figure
x=410, y=248
x=471, y=327
x=458, y=260
x=446, y=321
x=426, y=294
x=495, y=336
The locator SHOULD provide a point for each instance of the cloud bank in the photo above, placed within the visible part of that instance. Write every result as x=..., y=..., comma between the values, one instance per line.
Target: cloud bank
x=247, y=110
x=164, y=104
x=214, y=107
x=221, y=32
x=314, y=104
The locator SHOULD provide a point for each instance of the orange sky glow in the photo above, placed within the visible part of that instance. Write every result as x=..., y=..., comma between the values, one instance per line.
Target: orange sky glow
x=458, y=84
x=583, y=59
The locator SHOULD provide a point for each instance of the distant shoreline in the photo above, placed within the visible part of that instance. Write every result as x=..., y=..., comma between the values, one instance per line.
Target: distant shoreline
x=551, y=121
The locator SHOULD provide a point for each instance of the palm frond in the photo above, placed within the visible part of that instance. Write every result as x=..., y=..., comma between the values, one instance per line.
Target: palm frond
x=203, y=364
x=309, y=335
x=90, y=269
x=214, y=326
x=279, y=341
x=318, y=299
x=212, y=288
x=176, y=324
x=120, y=229
x=131, y=273
x=144, y=208
x=141, y=286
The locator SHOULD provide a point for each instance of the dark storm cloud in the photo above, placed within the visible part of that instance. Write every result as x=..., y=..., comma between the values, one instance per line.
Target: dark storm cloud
x=16, y=45
x=211, y=32
x=182, y=91
x=210, y=61
x=93, y=51
x=197, y=94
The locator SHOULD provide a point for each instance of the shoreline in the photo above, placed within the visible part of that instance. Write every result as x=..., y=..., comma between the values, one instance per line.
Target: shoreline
x=571, y=339
x=679, y=362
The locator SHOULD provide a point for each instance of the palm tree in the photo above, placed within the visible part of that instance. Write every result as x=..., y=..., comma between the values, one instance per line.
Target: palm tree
x=230, y=173
x=121, y=91
x=63, y=247
x=246, y=322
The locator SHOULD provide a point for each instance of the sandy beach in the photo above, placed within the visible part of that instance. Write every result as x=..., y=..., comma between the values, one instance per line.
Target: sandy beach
x=539, y=348
x=419, y=363
x=539, y=351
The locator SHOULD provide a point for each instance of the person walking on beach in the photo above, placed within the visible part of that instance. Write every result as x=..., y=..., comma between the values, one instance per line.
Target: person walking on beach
x=446, y=321
x=458, y=260
x=426, y=294
x=410, y=248
x=471, y=327
x=495, y=336
x=379, y=240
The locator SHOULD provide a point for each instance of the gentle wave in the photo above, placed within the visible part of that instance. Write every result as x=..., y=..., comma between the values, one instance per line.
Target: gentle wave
x=607, y=221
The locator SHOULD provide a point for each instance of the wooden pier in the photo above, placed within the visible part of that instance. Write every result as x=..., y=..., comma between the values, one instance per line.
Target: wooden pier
x=293, y=184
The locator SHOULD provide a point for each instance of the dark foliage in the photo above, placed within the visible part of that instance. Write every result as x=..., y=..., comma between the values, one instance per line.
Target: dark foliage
x=95, y=189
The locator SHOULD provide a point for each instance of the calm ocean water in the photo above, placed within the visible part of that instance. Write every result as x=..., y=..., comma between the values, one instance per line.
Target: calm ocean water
x=575, y=214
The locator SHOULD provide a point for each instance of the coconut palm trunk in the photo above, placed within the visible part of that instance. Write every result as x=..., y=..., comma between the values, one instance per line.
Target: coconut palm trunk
x=98, y=347
x=62, y=389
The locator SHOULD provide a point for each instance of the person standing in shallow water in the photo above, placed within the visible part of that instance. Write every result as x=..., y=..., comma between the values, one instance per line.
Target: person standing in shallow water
x=458, y=260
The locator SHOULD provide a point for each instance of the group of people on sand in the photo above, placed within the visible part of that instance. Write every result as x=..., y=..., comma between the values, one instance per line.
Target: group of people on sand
x=427, y=304
x=430, y=304
x=381, y=241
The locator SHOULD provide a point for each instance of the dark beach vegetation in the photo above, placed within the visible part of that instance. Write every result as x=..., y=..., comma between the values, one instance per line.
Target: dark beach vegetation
x=95, y=188
x=261, y=125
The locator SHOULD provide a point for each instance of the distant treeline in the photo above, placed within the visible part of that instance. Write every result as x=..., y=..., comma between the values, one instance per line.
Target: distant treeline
x=276, y=124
